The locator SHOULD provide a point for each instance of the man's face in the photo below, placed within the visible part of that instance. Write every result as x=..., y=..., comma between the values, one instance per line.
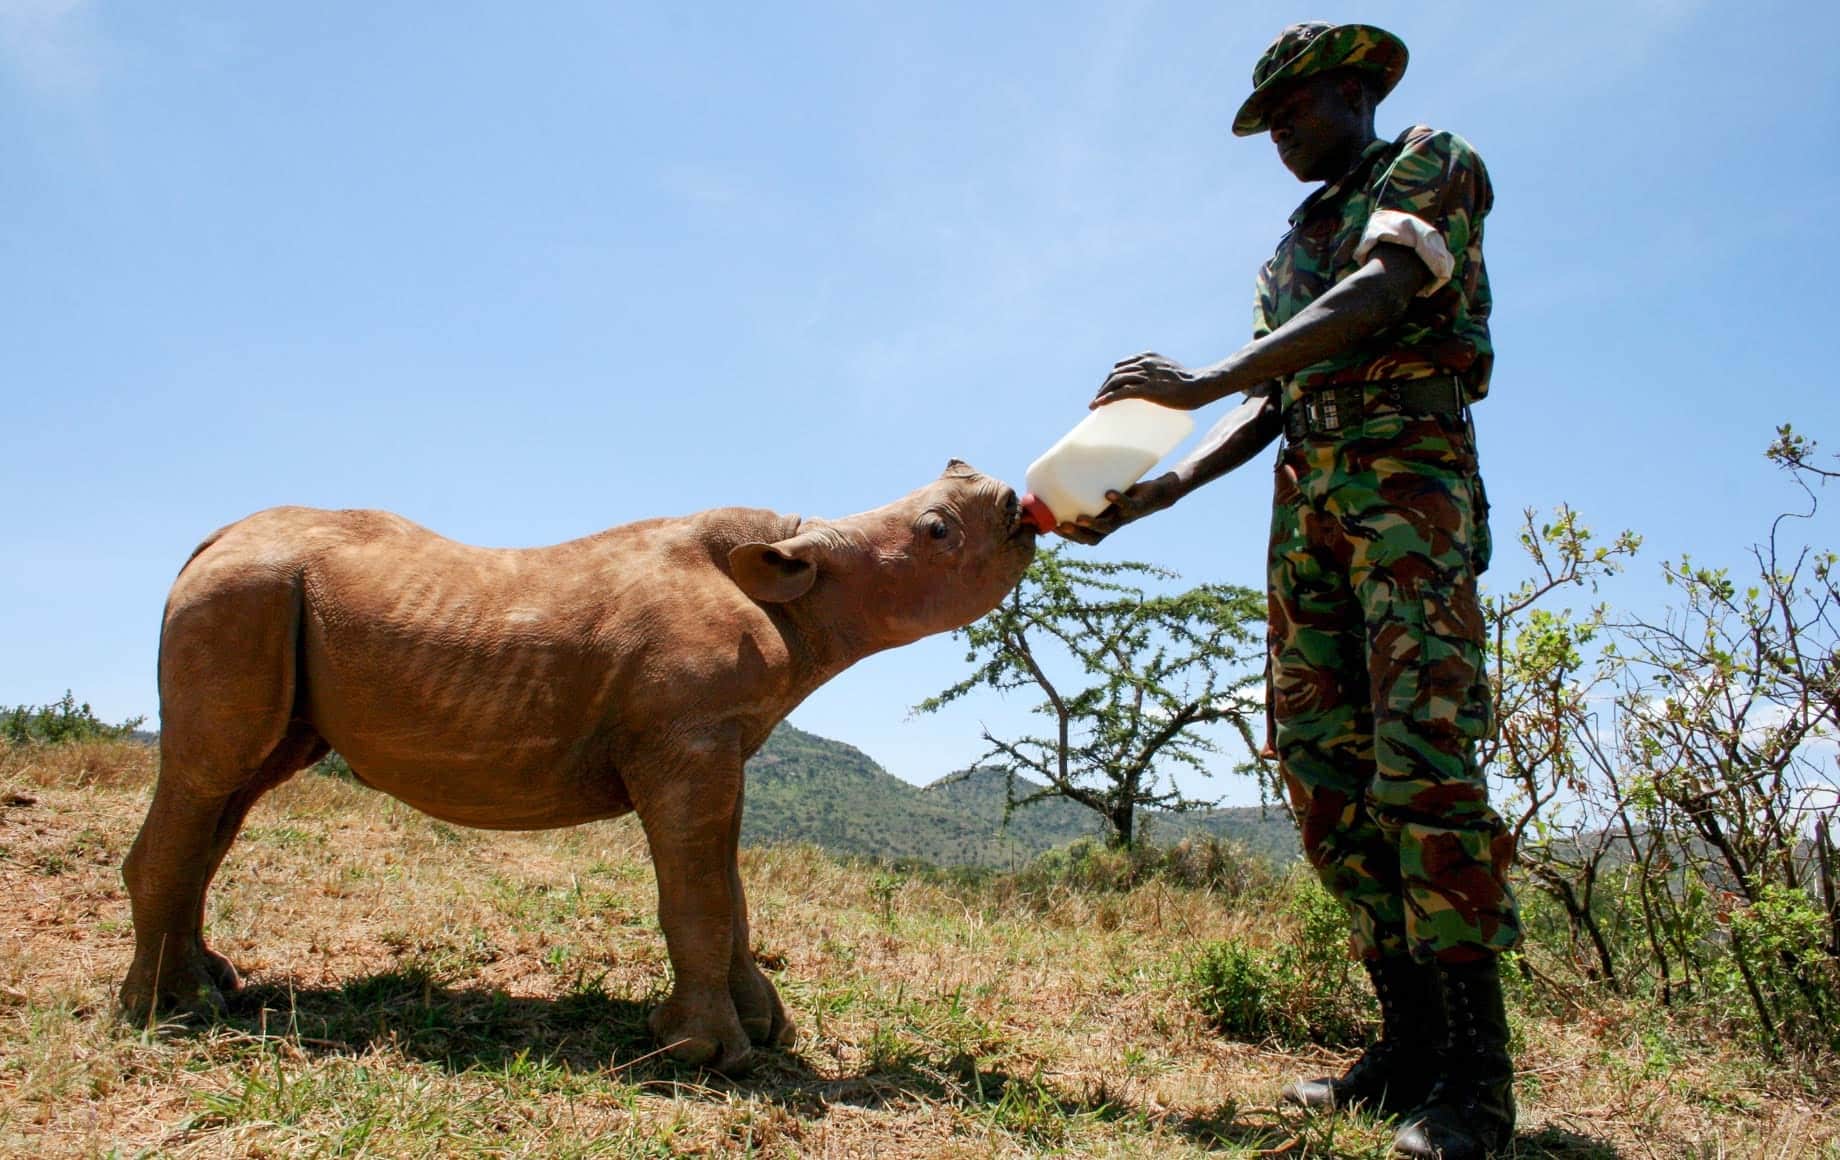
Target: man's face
x=1316, y=124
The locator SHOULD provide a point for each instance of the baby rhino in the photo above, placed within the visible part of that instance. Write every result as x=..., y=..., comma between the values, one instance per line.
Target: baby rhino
x=636, y=669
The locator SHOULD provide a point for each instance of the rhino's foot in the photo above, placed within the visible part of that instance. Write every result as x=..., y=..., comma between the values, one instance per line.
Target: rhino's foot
x=701, y=1034
x=193, y=980
x=224, y=973
x=762, y=1014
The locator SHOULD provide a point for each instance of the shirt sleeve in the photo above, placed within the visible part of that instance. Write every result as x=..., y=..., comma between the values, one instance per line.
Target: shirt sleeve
x=1429, y=201
x=1261, y=320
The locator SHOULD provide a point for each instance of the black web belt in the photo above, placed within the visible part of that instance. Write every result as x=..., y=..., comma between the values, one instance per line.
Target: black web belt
x=1327, y=410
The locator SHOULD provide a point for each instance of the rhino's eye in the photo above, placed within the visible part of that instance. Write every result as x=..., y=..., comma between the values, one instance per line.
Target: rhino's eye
x=938, y=529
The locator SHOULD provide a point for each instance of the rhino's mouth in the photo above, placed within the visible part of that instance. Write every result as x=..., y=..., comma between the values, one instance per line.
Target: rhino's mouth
x=1012, y=514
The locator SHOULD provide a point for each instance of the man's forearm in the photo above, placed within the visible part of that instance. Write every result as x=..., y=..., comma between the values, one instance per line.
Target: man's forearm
x=1356, y=308
x=1240, y=434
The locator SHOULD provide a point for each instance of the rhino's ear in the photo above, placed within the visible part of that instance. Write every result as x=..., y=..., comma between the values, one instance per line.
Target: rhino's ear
x=957, y=467
x=774, y=573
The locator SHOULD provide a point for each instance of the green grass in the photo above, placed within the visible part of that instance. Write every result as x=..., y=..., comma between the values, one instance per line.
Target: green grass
x=418, y=990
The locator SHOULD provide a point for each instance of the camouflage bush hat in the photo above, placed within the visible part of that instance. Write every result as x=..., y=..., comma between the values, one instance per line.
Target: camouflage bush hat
x=1316, y=46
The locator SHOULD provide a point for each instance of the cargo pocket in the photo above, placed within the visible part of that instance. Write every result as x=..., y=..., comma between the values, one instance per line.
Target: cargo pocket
x=1456, y=624
x=1481, y=540
x=1457, y=892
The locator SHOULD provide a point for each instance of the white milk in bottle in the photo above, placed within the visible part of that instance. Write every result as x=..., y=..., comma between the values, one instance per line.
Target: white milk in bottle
x=1109, y=450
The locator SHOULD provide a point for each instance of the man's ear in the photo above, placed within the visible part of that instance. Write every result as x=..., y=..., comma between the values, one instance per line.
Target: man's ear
x=775, y=573
x=1354, y=91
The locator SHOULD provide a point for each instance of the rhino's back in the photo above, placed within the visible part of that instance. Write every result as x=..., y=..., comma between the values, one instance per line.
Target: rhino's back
x=363, y=565
x=450, y=674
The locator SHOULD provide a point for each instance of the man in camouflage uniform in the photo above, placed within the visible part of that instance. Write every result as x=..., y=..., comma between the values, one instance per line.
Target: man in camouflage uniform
x=1370, y=343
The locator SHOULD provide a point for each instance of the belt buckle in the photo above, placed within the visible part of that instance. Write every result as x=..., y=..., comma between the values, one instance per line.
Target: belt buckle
x=1322, y=411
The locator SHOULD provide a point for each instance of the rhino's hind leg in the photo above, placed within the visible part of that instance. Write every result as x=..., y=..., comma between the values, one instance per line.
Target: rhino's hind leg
x=166, y=873
x=229, y=732
x=170, y=867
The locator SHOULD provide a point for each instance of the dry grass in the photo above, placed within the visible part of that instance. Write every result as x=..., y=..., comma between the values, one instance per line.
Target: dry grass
x=419, y=990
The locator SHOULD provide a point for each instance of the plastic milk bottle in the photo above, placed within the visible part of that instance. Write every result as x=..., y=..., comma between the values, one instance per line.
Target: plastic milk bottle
x=1109, y=450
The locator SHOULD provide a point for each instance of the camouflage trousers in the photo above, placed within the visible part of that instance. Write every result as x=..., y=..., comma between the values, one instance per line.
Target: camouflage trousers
x=1378, y=687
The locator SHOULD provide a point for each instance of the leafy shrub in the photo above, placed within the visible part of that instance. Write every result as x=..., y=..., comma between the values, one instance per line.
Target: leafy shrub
x=1218, y=864
x=333, y=765
x=1669, y=778
x=1203, y=863
x=1781, y=951
x=1234, y=985
x=61, y=723
x=1302, y=990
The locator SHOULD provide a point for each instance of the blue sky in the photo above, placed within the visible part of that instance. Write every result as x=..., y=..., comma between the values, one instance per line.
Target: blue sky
x=522, y=272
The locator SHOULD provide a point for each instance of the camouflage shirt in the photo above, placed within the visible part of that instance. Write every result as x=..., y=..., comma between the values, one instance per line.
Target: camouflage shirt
x=1427, y=190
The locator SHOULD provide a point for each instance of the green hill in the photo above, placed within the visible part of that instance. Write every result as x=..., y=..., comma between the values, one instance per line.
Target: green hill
x=806, y=788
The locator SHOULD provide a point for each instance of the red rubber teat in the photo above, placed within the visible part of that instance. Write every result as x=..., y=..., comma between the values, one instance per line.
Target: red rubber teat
x=1036, y=514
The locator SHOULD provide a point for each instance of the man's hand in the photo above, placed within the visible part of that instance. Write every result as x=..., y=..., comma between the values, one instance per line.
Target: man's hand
x=1170, y=384
x=1151, y=495
x=1154, y=378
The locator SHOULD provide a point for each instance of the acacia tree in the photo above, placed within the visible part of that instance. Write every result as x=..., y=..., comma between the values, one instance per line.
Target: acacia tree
x=1127, y=678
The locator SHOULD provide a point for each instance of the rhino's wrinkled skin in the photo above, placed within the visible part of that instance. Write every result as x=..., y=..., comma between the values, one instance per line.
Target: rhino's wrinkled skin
x=636, y=669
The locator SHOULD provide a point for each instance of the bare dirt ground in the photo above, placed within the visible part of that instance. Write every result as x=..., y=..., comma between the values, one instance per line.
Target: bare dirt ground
x=416, y=990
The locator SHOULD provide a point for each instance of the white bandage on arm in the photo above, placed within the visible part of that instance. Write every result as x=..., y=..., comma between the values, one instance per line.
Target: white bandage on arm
x=1417, y=235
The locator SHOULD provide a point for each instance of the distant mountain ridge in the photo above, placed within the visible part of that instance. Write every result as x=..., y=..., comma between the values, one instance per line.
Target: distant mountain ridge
x=805, y=788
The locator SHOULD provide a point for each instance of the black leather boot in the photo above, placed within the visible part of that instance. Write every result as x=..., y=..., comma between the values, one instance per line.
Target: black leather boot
x=1397, y=1072
x=1470, y=1112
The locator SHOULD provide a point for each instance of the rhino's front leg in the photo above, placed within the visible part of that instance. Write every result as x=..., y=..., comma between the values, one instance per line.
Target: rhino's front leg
x=689, y=823
x=763, y=1016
